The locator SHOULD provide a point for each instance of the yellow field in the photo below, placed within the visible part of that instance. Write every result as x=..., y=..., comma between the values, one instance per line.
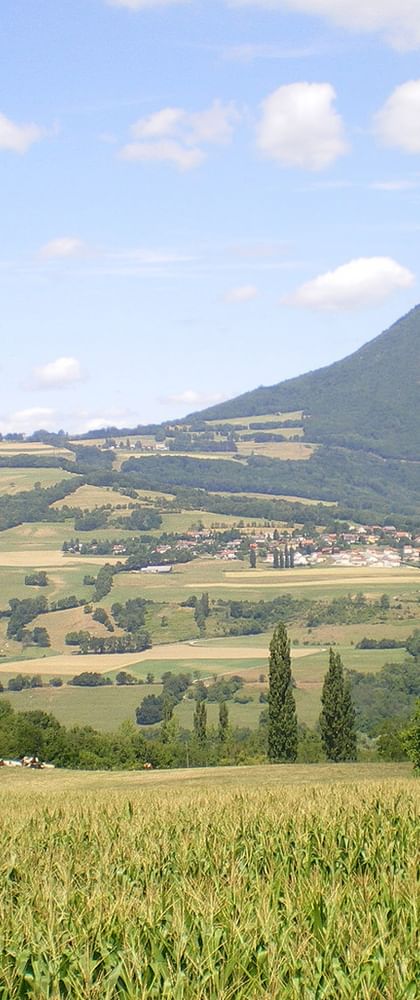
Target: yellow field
x=287, y=432
x=268, y=777
x=279, y=496
x=21, y=448
x=89, y=497
x=59, y=623
x=264, y=418
x=334, y=574
x=283, y=450
x=42, y=558
x=67, y=664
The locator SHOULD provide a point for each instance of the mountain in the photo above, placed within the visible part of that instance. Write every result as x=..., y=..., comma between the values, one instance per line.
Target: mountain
x=369, y=401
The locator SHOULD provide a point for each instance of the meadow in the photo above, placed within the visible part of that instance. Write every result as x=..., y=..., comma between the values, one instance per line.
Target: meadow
x=253, y=883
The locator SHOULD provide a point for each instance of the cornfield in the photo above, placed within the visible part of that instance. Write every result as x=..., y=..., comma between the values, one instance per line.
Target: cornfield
x=306, y=893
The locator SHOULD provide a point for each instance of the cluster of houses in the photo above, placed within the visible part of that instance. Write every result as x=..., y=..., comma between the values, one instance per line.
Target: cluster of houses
x=361, y=545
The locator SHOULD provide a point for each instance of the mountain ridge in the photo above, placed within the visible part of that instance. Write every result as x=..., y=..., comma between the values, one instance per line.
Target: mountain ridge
x=368, y=400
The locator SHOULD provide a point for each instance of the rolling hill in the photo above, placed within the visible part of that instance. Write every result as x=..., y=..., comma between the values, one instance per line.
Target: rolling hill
x=369, y=401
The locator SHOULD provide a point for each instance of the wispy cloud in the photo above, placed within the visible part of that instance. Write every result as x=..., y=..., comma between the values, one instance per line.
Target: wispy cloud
x=397, y=20
x=241, y=293
x=247, y=52
x=144, y=4
x=63, y=247
x=401, y=185
x=193, y=397
x=180, y=137
x=26, y=421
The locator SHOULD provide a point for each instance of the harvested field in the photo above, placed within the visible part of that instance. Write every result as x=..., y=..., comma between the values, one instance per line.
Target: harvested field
x=42, y=558
x=89, y=497
x=282, y=450
x=70, y=663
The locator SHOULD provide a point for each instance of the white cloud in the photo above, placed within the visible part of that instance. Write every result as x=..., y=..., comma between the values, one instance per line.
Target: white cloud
x=64, y=246
x=190, y=397
x=397, y=20
x=61, y=372
x=18, y=138
x=398, y=121
x=299, y=126
x=177, y=136
x=144, y=4
x=26, y=421
x=361, y=282
x=242, y=293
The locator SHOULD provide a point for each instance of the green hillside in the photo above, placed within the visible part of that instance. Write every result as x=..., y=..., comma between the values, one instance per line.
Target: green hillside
x=368, y=401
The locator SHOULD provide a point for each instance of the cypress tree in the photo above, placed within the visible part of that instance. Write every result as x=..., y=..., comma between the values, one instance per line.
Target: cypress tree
x=223, y=721
x=282, y=720
x=337, y=719
x=276, y=559
x=252, y=558
x=281, y=559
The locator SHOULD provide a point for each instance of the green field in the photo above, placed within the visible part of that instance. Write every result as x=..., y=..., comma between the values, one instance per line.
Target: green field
x=105, y=708
x=236, y=580
x=252, y=883
x=15, y=480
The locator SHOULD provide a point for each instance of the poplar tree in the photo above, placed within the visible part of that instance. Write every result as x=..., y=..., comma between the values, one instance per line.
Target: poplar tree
x=337, y=718
x=349, y=724
x=200, y=721
x=223, y=721
x=282, y=719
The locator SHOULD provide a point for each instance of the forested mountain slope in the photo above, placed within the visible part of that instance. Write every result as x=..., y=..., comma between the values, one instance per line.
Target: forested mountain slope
x=369, y=400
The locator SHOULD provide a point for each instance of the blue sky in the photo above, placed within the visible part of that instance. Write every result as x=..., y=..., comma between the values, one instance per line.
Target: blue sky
x=199, y=197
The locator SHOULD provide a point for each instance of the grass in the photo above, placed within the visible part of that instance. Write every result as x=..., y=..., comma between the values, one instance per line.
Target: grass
x=65, y=580
x=46, y=535
x=256, y=884
x=17, y=480
x=104, y=708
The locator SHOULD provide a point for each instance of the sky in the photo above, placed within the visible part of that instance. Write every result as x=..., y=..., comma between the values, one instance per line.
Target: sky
x=198, y=197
